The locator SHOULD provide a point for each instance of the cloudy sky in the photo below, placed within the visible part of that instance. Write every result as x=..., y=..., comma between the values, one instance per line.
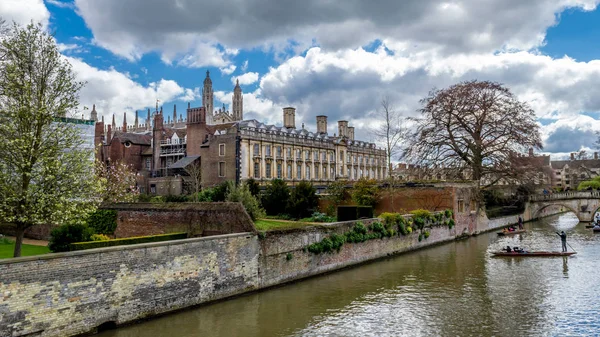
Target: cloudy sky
x=336, y=57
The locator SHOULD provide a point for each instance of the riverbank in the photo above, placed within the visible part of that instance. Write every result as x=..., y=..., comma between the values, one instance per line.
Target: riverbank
x=120, y=285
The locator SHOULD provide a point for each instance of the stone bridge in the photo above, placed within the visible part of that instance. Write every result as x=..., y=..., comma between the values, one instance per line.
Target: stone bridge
x=584, y=204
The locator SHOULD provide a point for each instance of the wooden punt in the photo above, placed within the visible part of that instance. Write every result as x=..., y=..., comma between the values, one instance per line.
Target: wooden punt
x=534, y=253
x=518, y=231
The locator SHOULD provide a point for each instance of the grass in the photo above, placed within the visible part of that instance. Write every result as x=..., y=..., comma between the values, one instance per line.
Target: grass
x=268, y=224
x=7, y=248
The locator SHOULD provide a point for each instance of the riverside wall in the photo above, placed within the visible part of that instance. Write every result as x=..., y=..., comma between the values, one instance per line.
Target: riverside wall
x=74, y=293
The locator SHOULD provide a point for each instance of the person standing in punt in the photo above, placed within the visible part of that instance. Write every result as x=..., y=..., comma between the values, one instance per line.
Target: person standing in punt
x=563, y=239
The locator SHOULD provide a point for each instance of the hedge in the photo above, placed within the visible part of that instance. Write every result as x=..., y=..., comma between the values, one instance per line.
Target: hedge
x=127, y=241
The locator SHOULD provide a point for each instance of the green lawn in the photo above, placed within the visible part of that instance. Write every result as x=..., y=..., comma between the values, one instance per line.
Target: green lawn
x=268, y=224
x=7, y=248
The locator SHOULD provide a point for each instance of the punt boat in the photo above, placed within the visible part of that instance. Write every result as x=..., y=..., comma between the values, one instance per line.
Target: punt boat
x=533, y=253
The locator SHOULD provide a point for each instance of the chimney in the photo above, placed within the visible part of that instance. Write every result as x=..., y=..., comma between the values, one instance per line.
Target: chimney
x=114, y=125
x=531, y=152
x=124, y=122
x=572, y=156
x=136, y=123
x=158, y=121
x=109, y=133
x=148, y=121
x=343, y=128
x=351, y=132
x=322, y=124
x=595, y=155
x=289, y=117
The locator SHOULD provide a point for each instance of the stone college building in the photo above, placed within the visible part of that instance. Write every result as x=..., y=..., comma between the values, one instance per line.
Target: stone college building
x=223, y=146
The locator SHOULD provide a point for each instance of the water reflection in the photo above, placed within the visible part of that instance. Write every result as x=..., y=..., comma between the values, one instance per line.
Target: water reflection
x=456, y=289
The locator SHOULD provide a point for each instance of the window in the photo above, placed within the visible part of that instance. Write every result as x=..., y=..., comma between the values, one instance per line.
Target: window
x=342, y=156
x=307, y=172
x=152, y=189
x=461, y=206
x=278, y=152
x=289, y=171
x=355, y=173
x=331, y=156
x=279, y=171
x=316, y=172
x=148, y=163
x=298, y=154
x=256, y=150
x=256, y=170
x=341, y=170
x=332, y=172
x=324, y=172
x=221, y=149
x=289, y=152
x=306, y=155
x=316, y=155
x=221, y=169
x=268, y=150
x=268, y=170
x=299, y=172
x=324, y=156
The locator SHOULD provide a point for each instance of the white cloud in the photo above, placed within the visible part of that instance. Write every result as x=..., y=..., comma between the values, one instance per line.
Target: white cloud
x=245, y=66
x=245, y=79
x=115, y=92
x=24, y=11
x=228, y=70
x=61, y=4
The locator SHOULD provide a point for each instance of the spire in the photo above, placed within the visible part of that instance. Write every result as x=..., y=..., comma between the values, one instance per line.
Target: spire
x=94, y=114
x=207, y=99
x=102, y=119
x=174, y=113
x=114, y=125
x=237, y=108
x=148, y=120
x=124, y=122
x=136, y=123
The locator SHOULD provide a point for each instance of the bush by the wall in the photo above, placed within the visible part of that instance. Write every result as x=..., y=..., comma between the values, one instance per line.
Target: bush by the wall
x=157, y=198
x=242, y=194
x=142, y=197
x=303, y=200
x=127, y=241
x=63, y=236
x=276, y=197
x=205, y=195
x=103, y=221
x=99, y=237
x=176, y=198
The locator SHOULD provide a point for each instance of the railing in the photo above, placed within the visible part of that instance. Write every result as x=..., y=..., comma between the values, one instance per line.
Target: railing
x=166, y=142
x=566, y=195
x=169, y=151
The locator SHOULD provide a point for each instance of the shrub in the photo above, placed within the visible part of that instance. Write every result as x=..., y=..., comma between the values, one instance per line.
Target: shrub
x=127, y=241
x=336, y=193
x=365, y=192
x=103, y=221
x=448, y=213
x=205, y=195
x=303, y=200
x=157, y=198
x=176, y=198
x=319, y=217
x=276, y=197
x=289, y=256
x=262, y=235
x=99, y=237
x=144, y=198
x=420, y=237
x=451, y=223
x=253, y=186
x=242, y=194
x=421, y=213
x=220, y=191
x=426, y=234
x=63, y=236
x=389, y=218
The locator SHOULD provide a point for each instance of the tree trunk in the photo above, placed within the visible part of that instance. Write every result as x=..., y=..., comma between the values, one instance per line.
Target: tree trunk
x=20, y=233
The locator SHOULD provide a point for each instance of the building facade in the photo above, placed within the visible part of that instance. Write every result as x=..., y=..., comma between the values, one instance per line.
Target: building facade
x=227, y=147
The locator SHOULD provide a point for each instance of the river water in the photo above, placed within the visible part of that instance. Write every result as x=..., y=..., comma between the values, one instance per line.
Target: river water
x=456, y=289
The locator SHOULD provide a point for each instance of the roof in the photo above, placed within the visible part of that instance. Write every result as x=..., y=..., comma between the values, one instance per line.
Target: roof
x=184, y=162
x=588, y=163
x=134, y=138
x=181, y=133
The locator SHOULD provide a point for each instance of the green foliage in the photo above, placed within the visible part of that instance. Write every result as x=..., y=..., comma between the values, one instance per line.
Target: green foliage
x=276, y=197
x=365, y=192
x=319, y=217
x=289, y=256
x=144, y=197
x=5, y=241
x=448, y=213
x=334, y=242
x=262, y=235
x=426, y=234
x=63, y=236
x=450, y=223
x=336, y=194
x=389, y=218
x=253, y=186
x=205, y=195
x=157, y=198
x=176, y=198
x=593, y=183
x=99, y=237
x=220, y=191
x=103, y=221
x=421, y=213
x=420, y=237
x=242, y=194
x=303, y=200
x=127, y=241
x=46, y=175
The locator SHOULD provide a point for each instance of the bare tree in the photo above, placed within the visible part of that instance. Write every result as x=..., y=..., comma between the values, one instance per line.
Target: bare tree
x=390, y=132
x=194, y=170
x=475, y=127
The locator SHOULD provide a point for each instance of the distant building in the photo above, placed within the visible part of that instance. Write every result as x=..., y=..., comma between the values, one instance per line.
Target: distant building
x=569, y=173
x=226, y=147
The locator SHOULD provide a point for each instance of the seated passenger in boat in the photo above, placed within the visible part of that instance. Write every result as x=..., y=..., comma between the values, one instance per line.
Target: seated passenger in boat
x=518, y=250
x=511, y=229
x=507, y=249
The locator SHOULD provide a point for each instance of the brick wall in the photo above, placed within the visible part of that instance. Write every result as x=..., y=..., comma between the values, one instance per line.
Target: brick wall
x=73, y=293
x=197, y=219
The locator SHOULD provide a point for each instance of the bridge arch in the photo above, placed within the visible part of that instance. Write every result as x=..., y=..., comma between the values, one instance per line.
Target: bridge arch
x=583, y=203
x=535, y=214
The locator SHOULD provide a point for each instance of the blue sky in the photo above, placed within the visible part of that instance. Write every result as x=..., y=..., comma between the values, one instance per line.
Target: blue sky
x=324, y=60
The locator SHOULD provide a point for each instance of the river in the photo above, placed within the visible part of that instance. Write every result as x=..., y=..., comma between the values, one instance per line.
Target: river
x=456, y=289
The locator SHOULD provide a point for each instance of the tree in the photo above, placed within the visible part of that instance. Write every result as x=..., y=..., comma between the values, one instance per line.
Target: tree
x=194, y=171
x=478, y=127
x=46, y=175
x=117, y=182
x=303, y=200
x=336, y=194
x=365, y=192
x=241, y=193
x=276, y=197
x=391, y=131
x=253, y=186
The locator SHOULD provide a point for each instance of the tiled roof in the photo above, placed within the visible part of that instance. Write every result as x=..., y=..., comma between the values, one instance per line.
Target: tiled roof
x=134, y=138
x=588, y=163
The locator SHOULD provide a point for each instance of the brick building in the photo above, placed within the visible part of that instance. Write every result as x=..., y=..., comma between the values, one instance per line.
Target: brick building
x=227, y=147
